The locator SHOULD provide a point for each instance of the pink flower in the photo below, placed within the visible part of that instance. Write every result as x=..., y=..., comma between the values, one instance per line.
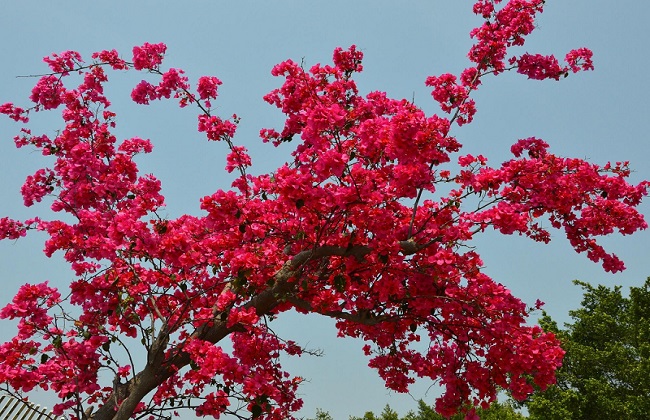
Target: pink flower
x=580, y=59
x=136, y=145
x=540, y=67
x=14, y=112
x=534, y=146
x=143, y=93
x=243, y=317
x=348, y=60
x=216, y=128
x=466, y=160
x=64, y=62
x=124, y=371
x=48, y=92
x=172, y=81
x=148, y=56
x=237, y=158
x=11, y=229
x=207, y=87
x=111, y=57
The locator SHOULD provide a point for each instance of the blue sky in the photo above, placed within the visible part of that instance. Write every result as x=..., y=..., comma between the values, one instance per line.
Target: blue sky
x=600, y=116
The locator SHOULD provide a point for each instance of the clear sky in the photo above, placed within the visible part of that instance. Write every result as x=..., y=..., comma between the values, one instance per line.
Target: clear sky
x=600, y=116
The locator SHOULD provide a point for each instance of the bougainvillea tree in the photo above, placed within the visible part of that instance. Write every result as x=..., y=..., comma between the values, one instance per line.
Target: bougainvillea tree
x=367, y=222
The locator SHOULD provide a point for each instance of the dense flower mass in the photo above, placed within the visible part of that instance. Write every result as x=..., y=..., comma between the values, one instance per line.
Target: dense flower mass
x=207, y=87
x=148, y=56
x=347, y=228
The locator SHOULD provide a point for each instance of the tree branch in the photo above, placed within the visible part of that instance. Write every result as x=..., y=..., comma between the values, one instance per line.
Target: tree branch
x=159, y=369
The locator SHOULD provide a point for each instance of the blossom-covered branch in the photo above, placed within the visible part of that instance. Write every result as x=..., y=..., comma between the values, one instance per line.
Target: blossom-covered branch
x=354, y=225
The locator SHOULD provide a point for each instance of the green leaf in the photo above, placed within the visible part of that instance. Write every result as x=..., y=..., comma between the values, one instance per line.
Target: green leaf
x=57, y=342
x=340, y=283
x=256, y=411
x=606, y=369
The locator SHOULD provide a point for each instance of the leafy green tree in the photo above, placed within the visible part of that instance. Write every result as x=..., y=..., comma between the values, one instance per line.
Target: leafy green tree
x=496, y=411
x=322, y=415
x=387, y=414
x=606, y=370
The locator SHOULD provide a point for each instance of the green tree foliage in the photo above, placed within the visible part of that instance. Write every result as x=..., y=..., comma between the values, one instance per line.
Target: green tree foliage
x=497, y=411
x=606, y=371
x=387, y=414
x=322, y=415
